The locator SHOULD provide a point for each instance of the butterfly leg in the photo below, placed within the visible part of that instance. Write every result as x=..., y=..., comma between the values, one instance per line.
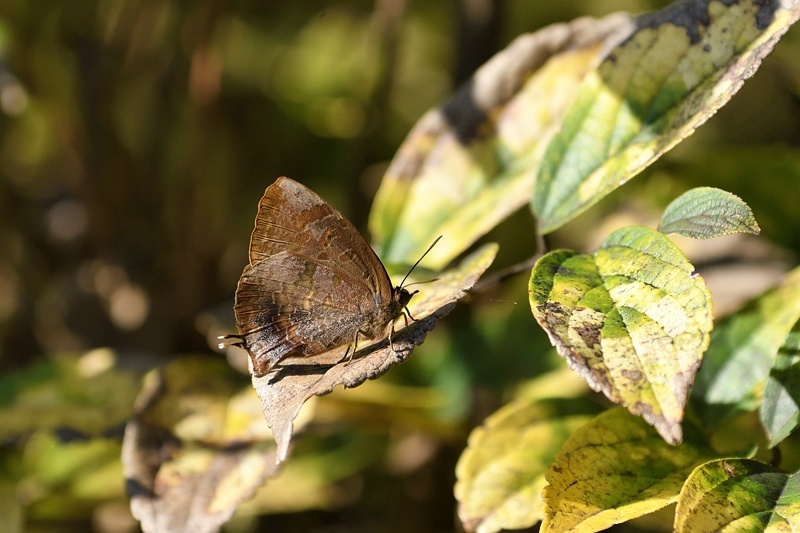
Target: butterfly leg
x=407, y=312
x=397, y=355
x=347, y=353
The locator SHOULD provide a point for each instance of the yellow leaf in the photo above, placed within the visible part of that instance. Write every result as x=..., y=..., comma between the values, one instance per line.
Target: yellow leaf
x=632, y=319
x=501, y=473
x=614, y=469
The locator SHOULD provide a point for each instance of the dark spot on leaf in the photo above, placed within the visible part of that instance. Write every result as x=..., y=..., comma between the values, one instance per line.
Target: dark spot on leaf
x=766, y=12
x=633, y=375
x=464, y=114
x=691, y=16
x=555, y=314
x=590, y=334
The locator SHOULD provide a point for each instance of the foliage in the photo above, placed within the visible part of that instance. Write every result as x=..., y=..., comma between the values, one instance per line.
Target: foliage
x=136, y=138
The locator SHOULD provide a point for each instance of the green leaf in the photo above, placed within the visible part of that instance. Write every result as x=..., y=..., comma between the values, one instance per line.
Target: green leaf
x=632, y=319
x=652, y=91
x=86, y=394
x=707, y=212
x=614, y=469
x=742, y=351
x=780, y=412
x=470, y=163
x=71, y=477
x=500, y=475
x=738, y=495
x=747, y=170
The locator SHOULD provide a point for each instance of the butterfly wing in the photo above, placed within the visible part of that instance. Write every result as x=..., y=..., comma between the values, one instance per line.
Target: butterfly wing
x=288, y=305
x=291, y=218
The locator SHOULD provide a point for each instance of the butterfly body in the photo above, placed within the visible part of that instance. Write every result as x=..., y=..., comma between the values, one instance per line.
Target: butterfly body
x=312, y=284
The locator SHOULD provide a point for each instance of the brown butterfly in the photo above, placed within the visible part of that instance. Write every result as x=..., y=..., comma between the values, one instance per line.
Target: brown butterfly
x=313, y=283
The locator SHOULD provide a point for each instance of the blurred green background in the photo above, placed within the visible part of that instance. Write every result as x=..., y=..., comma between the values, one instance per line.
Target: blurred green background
x=136, y=138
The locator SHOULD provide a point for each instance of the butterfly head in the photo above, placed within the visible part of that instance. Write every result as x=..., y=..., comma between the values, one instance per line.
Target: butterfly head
x=402, y=296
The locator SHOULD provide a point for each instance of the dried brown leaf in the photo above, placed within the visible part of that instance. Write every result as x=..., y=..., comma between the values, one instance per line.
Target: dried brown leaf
x=178, y=484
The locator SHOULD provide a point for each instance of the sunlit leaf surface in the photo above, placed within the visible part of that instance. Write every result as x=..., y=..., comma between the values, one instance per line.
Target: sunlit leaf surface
x=680, y=66
x=632, y=319
x=706, y=212
x=501, y=473
x=739, y=495
x=614, y=469
x=470, y=163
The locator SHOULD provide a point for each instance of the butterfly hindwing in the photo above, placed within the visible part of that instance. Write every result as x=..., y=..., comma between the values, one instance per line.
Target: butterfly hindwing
x=289, y=306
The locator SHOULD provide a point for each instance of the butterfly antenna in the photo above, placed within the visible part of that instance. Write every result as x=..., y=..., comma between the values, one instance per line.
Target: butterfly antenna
x=421, y=282
x=420, y=259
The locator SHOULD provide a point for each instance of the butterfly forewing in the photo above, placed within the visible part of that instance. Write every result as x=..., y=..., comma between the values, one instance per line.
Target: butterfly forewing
x=292, y=218
x=287, y=306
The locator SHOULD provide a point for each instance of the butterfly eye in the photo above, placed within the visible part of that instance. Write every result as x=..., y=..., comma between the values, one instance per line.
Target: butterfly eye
x=403, y=296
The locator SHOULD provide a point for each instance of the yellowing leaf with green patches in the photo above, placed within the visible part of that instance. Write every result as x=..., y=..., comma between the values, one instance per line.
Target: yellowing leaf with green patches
x=707, y=212
x=470, y=163
x=500, y=475
x=743, y=349
x=739, y=495
x=649, y=93
x=632, y=319
x=614, y=469
x=780, y=413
